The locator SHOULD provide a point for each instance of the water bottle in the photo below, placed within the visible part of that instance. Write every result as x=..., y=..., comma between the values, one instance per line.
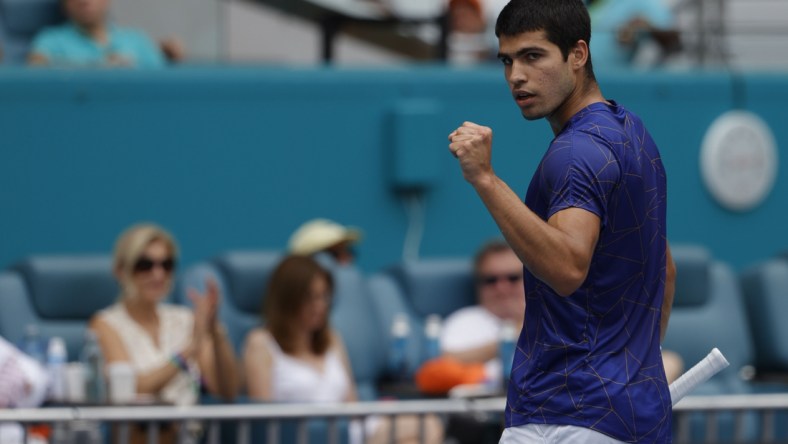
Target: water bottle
x=93, y=363
x=398, y=356
x=33, y=345
x=432, y=333
x=56, y=366
x=507, y=344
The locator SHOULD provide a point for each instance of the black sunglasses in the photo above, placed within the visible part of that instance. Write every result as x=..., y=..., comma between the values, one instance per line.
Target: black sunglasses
x=342, y=251
x=493, y=279
x=145, y=264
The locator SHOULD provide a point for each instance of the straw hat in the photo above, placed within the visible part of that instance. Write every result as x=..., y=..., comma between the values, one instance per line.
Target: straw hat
x=318, y=234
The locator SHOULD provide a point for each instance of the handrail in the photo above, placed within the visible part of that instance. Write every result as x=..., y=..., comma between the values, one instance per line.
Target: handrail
x=761, y=401
x=251, y=411
x=739, y=404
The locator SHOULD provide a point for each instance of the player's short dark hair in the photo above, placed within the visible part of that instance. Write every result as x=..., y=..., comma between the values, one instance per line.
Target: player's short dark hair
x=563, y=21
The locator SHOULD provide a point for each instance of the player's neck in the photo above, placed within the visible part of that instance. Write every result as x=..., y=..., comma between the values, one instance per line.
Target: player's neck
x=586, y=93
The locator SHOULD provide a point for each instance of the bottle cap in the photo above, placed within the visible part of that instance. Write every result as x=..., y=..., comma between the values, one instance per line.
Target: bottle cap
x=400, y=327
x=508, y=331
x=57, y=347
x=432, y=327
x=31, y=330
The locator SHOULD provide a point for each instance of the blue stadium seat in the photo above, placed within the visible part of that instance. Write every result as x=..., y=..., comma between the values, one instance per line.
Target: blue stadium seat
x=708, y=312
x=242, y=277
x=20, y=20
x=765, y=287
x=353, y=315
x=59, y=294
x=419, y=289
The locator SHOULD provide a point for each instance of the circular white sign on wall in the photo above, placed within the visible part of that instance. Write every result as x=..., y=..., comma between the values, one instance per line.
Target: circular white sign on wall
x=738, y=160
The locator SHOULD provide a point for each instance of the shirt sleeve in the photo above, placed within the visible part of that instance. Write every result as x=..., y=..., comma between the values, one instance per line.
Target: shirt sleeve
x=43, y=43
x=579, y=171
x=149, y=54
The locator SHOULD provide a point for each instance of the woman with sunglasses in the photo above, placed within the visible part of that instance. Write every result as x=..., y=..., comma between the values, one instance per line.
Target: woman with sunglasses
x=175, y=350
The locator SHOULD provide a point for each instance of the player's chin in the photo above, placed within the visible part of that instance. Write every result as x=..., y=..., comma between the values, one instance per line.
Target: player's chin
x=530, y=114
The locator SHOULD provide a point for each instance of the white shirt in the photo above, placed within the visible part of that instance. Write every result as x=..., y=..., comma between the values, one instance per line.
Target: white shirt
x=293, y=380
x=23, y=381
x=175, y=330
x=472, y=327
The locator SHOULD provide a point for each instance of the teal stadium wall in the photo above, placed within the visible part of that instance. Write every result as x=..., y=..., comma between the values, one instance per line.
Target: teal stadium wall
x=237, y=158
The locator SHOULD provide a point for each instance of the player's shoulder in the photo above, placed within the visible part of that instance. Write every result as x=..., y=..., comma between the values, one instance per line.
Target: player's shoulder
x=602, y=123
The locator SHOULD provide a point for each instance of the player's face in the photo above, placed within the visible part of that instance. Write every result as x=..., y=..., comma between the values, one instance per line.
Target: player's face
x=539, y=77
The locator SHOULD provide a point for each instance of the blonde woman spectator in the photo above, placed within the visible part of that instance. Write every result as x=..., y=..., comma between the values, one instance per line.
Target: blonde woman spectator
x=173, y=349
x=298, y=357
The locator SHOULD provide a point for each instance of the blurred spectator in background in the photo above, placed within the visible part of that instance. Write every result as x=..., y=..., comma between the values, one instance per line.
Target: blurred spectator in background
x=470, y=340
x=467, y=39
x=323, y=235
x=174, y=350
x=89, y=39
x=23, y=384
x=622, y=27
x=23, y=381
x=467, y=16
x=472, y=334
x=472, y=23
x=299, y=357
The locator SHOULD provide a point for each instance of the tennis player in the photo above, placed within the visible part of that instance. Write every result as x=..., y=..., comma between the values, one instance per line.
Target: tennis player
x=591, y=234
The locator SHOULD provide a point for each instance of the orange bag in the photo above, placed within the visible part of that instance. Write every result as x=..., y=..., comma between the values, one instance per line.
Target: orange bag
x=438, y=376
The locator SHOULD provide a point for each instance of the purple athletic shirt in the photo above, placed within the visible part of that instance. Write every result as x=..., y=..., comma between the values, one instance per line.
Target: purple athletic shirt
x=592, y=359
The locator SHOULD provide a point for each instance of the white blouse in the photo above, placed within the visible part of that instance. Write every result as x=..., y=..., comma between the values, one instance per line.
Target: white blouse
x=175, y=330
x=293, y=380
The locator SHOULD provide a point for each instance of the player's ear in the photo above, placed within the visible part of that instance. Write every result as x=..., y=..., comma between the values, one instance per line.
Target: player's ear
x=578, y=55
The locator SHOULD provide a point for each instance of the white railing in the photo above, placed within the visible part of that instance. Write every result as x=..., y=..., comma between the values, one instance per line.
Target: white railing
x=766, y=406
x=243, y=414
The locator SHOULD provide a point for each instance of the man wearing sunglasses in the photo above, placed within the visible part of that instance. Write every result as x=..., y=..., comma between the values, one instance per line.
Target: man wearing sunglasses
x=471, y=334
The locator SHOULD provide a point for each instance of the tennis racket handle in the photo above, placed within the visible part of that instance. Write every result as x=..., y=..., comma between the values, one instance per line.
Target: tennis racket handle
x=697, y=375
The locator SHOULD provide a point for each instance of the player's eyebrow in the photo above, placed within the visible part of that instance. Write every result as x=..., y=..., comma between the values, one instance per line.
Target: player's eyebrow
x=520, y=52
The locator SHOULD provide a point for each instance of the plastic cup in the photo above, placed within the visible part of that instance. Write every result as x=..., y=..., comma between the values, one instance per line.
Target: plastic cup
x=122, y=383
x=75, y=382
